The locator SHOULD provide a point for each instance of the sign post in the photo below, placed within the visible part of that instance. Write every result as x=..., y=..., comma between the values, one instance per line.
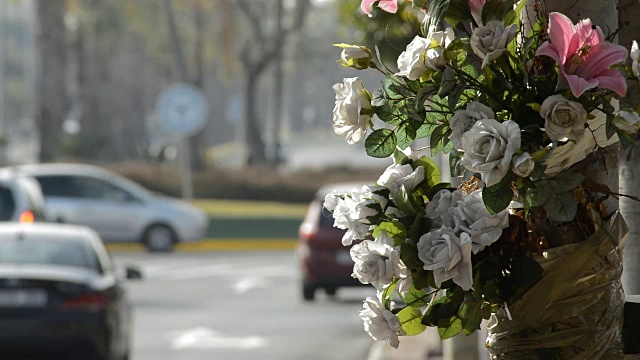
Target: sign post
x=183, y=111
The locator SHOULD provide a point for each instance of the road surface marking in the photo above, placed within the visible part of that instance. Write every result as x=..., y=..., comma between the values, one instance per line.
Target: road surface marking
x=205, y=338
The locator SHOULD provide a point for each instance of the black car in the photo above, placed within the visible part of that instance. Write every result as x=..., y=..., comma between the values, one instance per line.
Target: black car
x=60, y=295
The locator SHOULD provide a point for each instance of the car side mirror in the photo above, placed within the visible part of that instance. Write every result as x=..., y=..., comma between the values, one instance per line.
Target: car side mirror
x=133, y=273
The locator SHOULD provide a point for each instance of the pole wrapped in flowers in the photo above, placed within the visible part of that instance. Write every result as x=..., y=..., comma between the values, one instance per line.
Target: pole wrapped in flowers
x=515, y=106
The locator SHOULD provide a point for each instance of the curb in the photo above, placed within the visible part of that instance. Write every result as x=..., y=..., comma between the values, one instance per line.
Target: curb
x=240, y=244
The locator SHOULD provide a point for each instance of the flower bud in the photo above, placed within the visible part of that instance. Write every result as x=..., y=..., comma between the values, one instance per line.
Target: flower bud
x=354, y=56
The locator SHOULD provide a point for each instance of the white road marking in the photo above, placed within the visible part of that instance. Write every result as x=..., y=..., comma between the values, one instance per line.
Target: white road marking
x=243, y=285
x=205, y=338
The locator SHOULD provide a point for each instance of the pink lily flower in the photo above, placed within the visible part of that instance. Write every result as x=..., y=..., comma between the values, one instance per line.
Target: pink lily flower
x=476, y=10
x=390, y=6
x=583, y=56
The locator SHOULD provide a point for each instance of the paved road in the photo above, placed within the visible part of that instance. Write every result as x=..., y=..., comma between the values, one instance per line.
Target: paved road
x=238, y=305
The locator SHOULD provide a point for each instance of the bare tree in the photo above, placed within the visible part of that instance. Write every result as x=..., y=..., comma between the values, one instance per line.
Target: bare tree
x=258, y=53
x=51, y=100
x=197, y=80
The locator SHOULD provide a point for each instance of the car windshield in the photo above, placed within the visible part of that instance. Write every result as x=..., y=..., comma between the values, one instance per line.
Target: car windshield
x=7, y=204
x=48, y=251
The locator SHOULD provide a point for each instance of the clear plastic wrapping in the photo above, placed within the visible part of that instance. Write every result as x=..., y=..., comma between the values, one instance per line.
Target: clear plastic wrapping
x=575, y=310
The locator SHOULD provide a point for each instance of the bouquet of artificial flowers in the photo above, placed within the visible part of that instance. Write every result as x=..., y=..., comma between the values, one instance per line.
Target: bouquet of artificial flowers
x=516, y=97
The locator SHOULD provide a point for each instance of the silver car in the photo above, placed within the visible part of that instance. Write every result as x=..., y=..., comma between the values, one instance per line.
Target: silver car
x=115, y=207
x=20, y=198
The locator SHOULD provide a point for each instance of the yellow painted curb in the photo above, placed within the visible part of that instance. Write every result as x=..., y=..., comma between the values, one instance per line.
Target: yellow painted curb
x=216, y=245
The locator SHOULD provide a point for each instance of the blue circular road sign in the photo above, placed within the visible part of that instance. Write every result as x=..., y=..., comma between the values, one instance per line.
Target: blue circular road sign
x=183, y=109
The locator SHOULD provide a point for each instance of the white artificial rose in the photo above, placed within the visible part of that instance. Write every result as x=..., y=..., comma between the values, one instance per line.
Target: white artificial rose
x=411, y=61
x=349, y=119
x=490, y=41
x=463, y=120
x=440, y=208
x=472, y=217
x=523, y=164
x=397, y=175
x=627, y=121
x=377, y=262
x=434, y=58
x=563, y=119
x=357, y=57
x=488, y=148
x=635, y=58
x=331, y=200
x=448, y=256
x=380, y=323
x=423, y=54
x=351, y=213
x=373, y=192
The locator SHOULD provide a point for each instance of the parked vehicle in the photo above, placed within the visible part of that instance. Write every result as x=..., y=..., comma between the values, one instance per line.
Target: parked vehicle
x=117, y=208
x=20, y=198
x=325, y=263
x=60, y=294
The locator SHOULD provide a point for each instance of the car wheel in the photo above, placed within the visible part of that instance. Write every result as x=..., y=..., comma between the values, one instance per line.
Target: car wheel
x=159, y=238
x=308, y=292
x=331, y=291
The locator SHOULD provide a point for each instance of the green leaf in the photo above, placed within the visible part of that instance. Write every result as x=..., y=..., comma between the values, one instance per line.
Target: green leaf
x=626, y=140
x=406, y=133
x=416, y=297
x=400, y=158
x=439, y=137
x=457, y=12
x=411, y=320
x=394, y=229
x=454, y=96
x=513, y=16
x=435, y=12
x=471, y=70
x=409, y=256
x=448, y=83
x=448, y=328
x=496, y=9
x=435, y=189
x=498, y=197
x=561, y=206
x=403, y=201
x=537, y=197
x=431, y=171
x=471, y=316
x=378, y=98
x=387, y=294
x=423, y=95
x=566, y=181
x=391, y=113
x=380, y=143
x=394, y=88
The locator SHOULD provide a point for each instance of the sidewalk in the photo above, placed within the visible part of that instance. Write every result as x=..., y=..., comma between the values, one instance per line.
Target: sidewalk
x=425, y=346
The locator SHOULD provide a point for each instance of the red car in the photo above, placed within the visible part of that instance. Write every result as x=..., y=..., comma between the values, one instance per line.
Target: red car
x=324, y=261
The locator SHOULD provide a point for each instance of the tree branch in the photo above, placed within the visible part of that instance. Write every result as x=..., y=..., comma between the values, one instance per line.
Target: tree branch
x=254, y=18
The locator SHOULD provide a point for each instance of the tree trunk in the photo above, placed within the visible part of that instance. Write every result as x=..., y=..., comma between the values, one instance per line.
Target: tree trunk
x=51, y=94
x=196, y=141
x=255, y=148
x=278, y=79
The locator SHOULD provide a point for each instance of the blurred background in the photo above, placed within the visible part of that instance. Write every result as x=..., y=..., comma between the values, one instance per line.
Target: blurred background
x=82, y=82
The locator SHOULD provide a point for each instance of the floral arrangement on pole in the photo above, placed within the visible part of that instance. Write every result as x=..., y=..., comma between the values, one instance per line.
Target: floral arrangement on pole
x=514, y=104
